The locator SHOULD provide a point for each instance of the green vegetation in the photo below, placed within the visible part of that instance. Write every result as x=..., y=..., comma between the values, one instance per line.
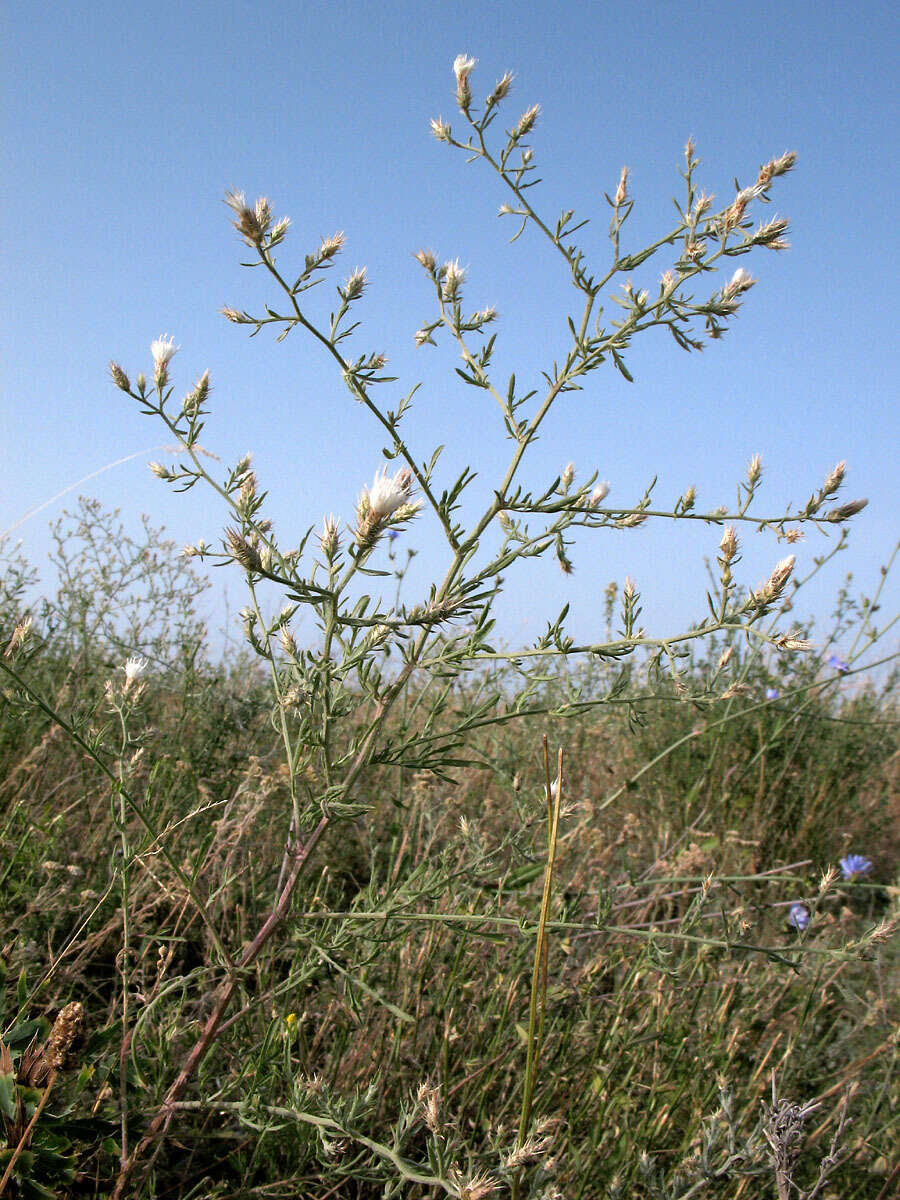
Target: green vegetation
x=379, y=1045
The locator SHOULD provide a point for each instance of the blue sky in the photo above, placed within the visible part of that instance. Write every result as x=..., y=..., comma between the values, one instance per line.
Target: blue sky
x=126, y=123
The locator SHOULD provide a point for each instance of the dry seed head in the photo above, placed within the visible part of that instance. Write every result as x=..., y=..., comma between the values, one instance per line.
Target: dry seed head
x=599, y=494
x=428, y=1099
x=774, y=167
x=828, y=880
x=232, y=314
x=535, y=1146
x=18, y=639
x=440, y=129
x=475, y=1187
x=754, y=469
x=793, y=643
x=568, y=474
x=65, y=1029
x=622, y=189
x=688, y=499
x=251, y=223
x=236, y=201
x=427, y=259
x=629, y=591
x=724, y=657
x=288, y=643
x=884, y=931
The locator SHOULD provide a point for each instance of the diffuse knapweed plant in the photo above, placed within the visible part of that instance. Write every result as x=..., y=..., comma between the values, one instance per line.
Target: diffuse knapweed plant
x=336, y=699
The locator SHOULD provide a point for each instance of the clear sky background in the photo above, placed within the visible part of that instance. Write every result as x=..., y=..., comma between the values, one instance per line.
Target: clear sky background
x=125, y=123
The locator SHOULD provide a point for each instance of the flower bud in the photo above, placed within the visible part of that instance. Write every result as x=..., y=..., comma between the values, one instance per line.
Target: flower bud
x=328, y=538
x=119, y=378
x=528, y=120
x=728, y=544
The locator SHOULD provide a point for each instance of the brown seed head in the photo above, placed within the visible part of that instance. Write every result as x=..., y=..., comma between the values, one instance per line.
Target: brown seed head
x=65, y=1029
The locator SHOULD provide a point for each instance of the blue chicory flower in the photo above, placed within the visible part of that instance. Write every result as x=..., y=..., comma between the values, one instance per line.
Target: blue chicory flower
x=393, y=535
x=772, y=693
x=798, y=916
x=837, y=664
x=855, y=864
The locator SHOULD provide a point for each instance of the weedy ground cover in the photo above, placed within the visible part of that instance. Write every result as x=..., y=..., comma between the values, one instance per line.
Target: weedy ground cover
x=403, y=910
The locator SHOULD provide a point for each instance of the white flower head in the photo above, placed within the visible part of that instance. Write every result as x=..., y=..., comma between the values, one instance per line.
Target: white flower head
x=387, y=494
x=452, y=277
x=163, y=350
x=134, y=668
x=599, y=494
x=463, y=66
x=741, y=281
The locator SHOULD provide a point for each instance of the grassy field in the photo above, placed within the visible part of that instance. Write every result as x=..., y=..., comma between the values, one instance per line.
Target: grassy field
x=647, y=994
